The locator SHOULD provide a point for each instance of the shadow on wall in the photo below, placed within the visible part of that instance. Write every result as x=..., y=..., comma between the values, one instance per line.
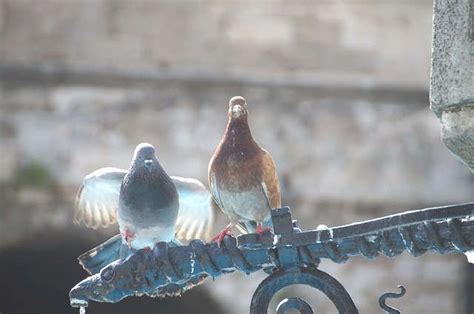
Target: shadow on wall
x=36, y=277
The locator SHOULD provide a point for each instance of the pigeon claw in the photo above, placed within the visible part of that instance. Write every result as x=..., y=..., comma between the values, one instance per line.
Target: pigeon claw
x=129, y=237
x=221, y=235
x=261, y=230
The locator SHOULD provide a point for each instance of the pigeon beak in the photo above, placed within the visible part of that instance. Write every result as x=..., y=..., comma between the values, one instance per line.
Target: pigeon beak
x=148, y=163
x=237, y=110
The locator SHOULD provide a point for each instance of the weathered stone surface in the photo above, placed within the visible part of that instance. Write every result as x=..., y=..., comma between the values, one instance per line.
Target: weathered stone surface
x=452, y=61
x=361, y=43
x=452, y=75
x=323, y=146
x=458, y=132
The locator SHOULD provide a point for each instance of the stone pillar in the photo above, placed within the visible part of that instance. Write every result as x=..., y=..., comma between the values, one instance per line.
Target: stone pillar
x=452, y=75
x=452, y=86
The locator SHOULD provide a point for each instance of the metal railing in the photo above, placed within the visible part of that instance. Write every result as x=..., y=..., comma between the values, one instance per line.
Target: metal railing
x=289, y=255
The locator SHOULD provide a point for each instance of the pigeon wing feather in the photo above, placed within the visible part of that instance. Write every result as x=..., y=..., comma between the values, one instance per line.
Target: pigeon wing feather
x=98, y=198
x=196, y=213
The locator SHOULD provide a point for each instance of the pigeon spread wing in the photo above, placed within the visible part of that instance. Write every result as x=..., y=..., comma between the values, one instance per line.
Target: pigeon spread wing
x=196, y=213
x=98, y=198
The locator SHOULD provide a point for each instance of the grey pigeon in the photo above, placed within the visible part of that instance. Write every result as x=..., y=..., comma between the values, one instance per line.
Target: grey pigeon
x=148, y=205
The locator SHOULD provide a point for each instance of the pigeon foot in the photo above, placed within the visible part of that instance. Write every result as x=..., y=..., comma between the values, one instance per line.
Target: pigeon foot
x=220, y=236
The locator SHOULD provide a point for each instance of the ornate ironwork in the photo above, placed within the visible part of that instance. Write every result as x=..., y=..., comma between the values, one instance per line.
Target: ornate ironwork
x=294, y=304
x=305, y=276
x=289, y=255
x=383, y=298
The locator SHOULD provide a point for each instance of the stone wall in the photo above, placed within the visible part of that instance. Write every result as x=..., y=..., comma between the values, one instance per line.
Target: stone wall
x=337, y=92
x=357, y=42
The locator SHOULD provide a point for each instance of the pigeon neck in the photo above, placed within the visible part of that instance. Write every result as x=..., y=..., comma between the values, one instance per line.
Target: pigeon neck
x=157, y=174
x=238, y=132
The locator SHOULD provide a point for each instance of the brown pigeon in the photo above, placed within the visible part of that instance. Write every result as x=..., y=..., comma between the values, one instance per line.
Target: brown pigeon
x=242, y=175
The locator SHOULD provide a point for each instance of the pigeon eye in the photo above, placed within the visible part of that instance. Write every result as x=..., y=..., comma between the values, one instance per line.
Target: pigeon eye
x=107, y=274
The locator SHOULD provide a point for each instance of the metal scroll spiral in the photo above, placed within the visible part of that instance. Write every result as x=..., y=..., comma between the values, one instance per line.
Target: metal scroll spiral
x=383, y=298
x=307, y=276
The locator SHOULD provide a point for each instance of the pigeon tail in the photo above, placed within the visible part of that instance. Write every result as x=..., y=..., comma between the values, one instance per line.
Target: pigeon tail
x=104, y=254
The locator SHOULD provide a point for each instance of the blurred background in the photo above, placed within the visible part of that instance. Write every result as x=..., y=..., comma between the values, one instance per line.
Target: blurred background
x=337, y=92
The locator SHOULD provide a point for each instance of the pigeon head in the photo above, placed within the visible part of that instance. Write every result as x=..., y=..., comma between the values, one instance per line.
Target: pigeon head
x=144, y=156
x=237, y=107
